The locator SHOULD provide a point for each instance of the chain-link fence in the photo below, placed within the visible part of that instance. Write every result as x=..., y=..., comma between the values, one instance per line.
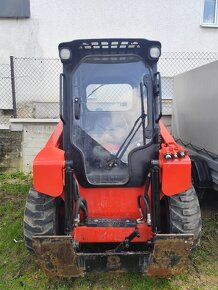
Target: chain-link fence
x=29, y=87
x=173, y=63
x=6, y=103
x=37, y=87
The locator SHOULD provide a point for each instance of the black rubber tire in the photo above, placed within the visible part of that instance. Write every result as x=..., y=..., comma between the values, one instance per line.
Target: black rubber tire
x=200, y=194
x=185, y=214
x=39, y=217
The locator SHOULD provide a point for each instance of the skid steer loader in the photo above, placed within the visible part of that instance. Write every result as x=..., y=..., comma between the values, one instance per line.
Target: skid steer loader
x=111, y=188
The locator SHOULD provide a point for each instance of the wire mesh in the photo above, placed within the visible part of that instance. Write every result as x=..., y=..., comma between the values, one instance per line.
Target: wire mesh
x=6, y=106
x=37, y=83
x=173, y=63
x=37, y=87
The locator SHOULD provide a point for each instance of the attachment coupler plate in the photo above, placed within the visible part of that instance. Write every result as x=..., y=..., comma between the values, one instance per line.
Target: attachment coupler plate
x=57, y=257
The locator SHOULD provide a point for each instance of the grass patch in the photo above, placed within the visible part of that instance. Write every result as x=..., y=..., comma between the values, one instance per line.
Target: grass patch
x=18, y=270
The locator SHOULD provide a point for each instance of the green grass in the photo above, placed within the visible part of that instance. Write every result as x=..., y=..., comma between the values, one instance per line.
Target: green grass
x=19, y=271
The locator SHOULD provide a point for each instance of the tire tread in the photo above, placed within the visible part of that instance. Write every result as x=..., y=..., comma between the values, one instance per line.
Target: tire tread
x=39, y=217
x=185, y=214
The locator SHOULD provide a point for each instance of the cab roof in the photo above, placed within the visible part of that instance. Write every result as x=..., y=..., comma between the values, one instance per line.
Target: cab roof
x=114, y=46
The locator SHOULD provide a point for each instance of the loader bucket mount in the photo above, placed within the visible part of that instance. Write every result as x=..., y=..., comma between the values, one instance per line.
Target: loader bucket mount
x=58, y=257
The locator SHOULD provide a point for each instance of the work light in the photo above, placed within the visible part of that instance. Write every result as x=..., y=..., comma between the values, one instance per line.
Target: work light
x=65, y=53
x=155, y=51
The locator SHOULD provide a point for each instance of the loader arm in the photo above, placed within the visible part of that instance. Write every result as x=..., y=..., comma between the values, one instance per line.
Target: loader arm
x=175, y=164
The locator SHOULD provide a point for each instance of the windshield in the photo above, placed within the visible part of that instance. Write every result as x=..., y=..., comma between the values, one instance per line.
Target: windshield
x=110, y=118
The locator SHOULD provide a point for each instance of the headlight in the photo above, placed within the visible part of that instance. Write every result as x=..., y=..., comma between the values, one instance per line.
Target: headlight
x=155, y=51
x=65, y=53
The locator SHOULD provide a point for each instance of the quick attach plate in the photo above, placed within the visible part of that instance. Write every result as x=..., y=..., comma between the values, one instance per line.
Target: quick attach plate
x=170, y=254
x=57, y=257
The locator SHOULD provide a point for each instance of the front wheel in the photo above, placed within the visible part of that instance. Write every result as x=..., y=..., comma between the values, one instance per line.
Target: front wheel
x=40, y=217
x=184, y=214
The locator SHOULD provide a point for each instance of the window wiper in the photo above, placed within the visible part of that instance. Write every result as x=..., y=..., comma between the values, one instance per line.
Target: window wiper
x=132, y=132
x=139, y=121
x=95, y=90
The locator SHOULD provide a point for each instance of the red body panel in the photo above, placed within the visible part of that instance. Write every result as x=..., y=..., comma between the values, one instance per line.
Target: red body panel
x=175, y=173
x=48, y=166
x=112, y=202
x=48, y=172
x=55, y=138
x=110, y=235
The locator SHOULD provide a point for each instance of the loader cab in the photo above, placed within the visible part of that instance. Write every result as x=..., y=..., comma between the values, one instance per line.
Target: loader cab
x=109, y=110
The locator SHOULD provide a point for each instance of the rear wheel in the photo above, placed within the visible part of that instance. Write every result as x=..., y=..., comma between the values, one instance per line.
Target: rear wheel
x=40, y=217
x=183, y=214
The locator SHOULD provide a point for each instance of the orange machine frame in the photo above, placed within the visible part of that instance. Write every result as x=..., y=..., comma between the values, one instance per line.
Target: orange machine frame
x=49, y=176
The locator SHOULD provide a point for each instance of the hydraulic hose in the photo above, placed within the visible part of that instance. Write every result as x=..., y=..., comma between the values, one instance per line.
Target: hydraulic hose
x=147, y=215
x=76, y=191
x=147, y=184
x=81, y=204
x=145, y=199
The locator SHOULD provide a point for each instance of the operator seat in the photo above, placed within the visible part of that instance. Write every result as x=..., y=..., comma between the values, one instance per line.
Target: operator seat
x=98, y=138
x=108, y=127
x=104, y=134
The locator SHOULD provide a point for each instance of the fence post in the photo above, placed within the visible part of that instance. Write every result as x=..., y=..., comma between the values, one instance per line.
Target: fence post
x=13, y=87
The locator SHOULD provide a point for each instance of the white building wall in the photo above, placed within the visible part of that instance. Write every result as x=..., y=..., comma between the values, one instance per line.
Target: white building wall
x=175, y=23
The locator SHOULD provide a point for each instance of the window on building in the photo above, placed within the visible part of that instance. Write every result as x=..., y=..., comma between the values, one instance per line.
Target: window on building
x=14, y=9
x=210, y=13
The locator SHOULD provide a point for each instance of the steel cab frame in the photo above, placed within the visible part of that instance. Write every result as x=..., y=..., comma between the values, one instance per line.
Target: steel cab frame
x=103, y=82
x=125, y=59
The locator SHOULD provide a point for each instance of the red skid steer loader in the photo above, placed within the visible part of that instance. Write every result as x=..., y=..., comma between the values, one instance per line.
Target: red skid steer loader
x=112, y=189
